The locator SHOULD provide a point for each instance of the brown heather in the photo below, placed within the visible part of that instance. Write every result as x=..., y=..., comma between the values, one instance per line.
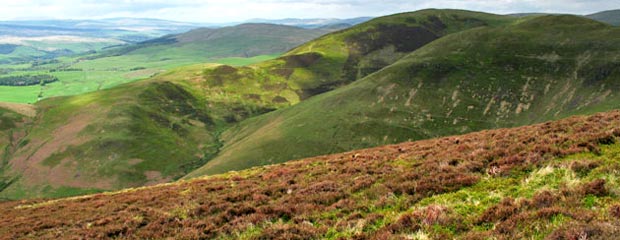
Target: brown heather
x=318, y=197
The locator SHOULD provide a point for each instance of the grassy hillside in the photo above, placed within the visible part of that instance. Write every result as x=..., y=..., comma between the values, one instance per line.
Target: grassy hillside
x=342, y=57
x=139, y=134
x=556, y=180
x=611, y=17
x=531, y=71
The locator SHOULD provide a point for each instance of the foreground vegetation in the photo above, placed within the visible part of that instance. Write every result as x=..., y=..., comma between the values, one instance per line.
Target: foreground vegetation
x=557, y=180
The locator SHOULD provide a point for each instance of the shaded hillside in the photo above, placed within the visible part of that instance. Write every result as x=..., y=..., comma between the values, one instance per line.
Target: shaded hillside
x=536, y=70
x=611, y=17
x=557, y=180
x=11, y=129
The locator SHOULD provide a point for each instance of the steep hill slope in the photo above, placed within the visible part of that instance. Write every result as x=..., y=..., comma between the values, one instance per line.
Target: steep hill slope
x=531, y=71
x=11, y=129
x=557, y=180
x=611, y=17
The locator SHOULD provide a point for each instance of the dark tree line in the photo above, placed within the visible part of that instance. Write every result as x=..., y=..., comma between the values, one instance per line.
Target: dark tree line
x=67, y=70
x=27, y=80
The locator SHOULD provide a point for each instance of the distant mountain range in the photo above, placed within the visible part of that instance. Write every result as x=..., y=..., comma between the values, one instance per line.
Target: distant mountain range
x=140, y=29
x=244, y=40
x=125, y=29
x=30, y=39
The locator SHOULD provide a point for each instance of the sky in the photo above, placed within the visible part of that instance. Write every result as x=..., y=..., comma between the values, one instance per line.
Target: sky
x=218, y=11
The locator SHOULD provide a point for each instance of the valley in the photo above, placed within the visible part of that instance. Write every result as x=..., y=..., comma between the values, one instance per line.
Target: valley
x=124, y=64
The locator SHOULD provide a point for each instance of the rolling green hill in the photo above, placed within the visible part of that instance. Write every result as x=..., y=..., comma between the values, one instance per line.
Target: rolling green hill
x=452, y=72
x=160, y=129
x=612, y=17
x=557, y=180
x=533, y=70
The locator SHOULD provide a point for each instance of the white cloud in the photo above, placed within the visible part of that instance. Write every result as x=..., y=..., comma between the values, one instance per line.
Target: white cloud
x=238, y=10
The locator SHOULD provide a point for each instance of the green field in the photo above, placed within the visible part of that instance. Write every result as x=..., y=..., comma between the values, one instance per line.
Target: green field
x=240, y=45
x=103, y=73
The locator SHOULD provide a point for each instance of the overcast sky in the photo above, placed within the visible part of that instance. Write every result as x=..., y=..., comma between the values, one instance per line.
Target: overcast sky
x=238, y=10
